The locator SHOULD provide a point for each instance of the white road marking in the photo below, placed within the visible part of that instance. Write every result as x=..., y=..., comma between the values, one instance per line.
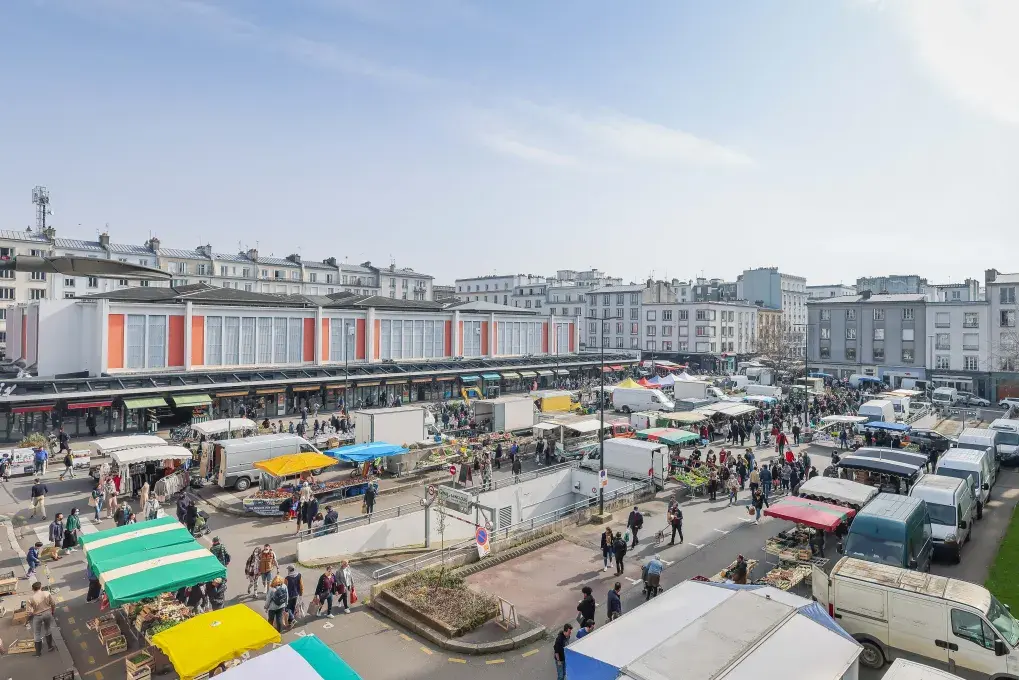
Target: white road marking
x=696, y=545
x=668, y=563
x=327, y=626
x=721, y=531
x=634, y=581
x=301, y=633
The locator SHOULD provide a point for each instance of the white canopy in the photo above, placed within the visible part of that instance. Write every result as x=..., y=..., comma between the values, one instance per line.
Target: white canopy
x=147, y=454
x=546, y=426
x=845, y=419
x=685, y=377
x=213, y=427
x=586, y=426
x=736, y=409
x=670, y=379
x=109, y=445
x=841, y=491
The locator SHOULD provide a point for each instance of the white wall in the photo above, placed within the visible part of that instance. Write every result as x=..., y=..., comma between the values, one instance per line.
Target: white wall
x=60, y=320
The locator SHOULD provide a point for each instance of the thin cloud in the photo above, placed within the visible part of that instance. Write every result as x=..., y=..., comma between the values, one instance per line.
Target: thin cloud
x=401, y=13
x=508, y=146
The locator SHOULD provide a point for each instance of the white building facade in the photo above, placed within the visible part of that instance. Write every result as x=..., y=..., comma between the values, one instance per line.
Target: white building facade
x=959, y=344
x=713, y=328
x=835, y=290
x=497, y=288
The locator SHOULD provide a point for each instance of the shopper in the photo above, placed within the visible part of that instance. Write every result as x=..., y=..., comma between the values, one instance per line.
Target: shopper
x=41, y=456
x=585, y=628
x=33, y=559
x=324, y=592
x=606, y=547
x=345, y=586
x=676, y=521
x=267, y=565
x=558, y=650
x=251, y=570
x=68, y=466
x=370, y=494
x=295, y=591
x=219, y=550
x=72, y=530
x=619, y=551
x=39, y=492
x=41, y=608
x=276, y=602
x=634, y=522
x=757, y=499
x=615, y=604
x=57, y=534
x=215, y=590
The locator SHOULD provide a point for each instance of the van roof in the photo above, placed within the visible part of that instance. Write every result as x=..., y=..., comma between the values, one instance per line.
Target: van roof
x=246, y=442
x=937, y=482
x=890, y=506
x=977, y=432
x=971, y=456
x=950, y=589
x=1008, y=424
x=877, y=403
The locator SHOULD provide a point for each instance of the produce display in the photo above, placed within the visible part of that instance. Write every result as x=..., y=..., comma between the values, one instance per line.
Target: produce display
x=149, y=617
x=726, y=573
x=791, y=545
x=101, y=621
x=785, y=578
x=694, y=478
x=266, y=502
x=116, y=645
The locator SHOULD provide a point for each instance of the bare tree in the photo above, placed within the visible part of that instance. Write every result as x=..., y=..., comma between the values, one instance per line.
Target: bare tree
x=779, y=348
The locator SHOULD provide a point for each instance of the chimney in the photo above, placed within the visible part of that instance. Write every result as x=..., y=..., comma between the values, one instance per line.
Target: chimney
x=331, y=261
x=153, y=244
x=295, y=258
x=104, y=240
x=252, y=254
x=990, y=275
x=865, y=295
x=205, y=250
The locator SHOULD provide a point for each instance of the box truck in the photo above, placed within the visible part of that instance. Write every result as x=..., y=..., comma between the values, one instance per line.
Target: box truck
x=696, y=389
x=764, y=391
x=505, y=414
x=628, y=400
x=880, y=410
x=403, y=425
x=633, y=459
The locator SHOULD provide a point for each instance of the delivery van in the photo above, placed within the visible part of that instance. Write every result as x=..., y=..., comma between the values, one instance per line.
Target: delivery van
x=980, y=438
x=878, y=409
x=952, y=509
x=945, y=396
x=975, y=465
x=765, y=391
x=235, y=458
x=1007, y=440
x=892, y=529
x=632, y=459
x=941, y=622
x=628, y=399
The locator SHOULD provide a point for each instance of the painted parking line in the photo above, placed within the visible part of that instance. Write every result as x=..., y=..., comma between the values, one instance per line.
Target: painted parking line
x=696, y=545
x=721, y=531
x=530, y=653
x=406, y=637
x=668, y=563
x=453, y=659
x=634, y=581
x=427, y=651
x=492, y=662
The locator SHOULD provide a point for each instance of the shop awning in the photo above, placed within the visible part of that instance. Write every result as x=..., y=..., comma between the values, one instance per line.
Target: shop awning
x=90, y=404
x=235, y=393
x=607, y=369
x=306, y=658
x=359, y=453
x=115, y=543
x=667, y=435
x=396, y=381
x=562, y=371
x=295, y=463
x=149, y=454
x=629, y=384
x=815, y=514
x=510, y=375
x=616, y=368
x=41, y=408
x=145, y=402
x=446, y=378
x=686, y=417
x=198, y=645
x=491, y=376
x=421, y=380
x=528, y=374
x=891, y=427
x=185, y=400
x=144, y=574
x=468, y=378
x=271, y=390
x=369, y=383
x=213, y=427
x=306, y=388
x=545, y=372
x=337, y=386
x=107, y=445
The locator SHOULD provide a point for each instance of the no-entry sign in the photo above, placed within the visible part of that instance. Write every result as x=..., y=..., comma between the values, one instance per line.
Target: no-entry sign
x=452, y=470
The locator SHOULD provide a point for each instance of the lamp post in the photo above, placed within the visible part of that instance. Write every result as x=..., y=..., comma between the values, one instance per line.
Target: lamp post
x=601, y=410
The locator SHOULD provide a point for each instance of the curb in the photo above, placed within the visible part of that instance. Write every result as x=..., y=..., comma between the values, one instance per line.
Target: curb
x=512, y=553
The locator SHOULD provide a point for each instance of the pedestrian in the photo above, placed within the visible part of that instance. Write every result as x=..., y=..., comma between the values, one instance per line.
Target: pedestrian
x=295, y=591
x=615, y=604
x=276, y=602
x=110, y=489
x=151, y=508
x=713, y=484
x=33, y=559
x=57, y=534
x=268, y=566
x=219, y=550
x=72, y=530
x=757, y=499
x=755, y=480
x=676, y=520
x=41, y=608
x=215, y=590
x=796, y=433
x=516, y=467
x=634, y=522
x=39, y=492
x=40, y=460
x=369, y=498
x=5, y=467
x=345, y=586
x=68, y=466
x=310, y=511
x=606, y=547
x=251, y=570
x=324, y=592
x=196, y=598
x=182, y=508
x=558, y=650
x=757, y=433
x=586, y=605
x=619, y=552
x=585, y=628
x=124, y=515
x=498, y=456
x=733, y=489
x=765, y=476
x=94, y=587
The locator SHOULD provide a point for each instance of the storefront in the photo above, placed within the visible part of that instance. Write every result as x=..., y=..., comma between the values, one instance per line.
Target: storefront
x=528, y=380
x=192, y=408
x=424, y=389
x=491, y=385
x=232, y=404
x=305, y=397
x=511, y=382
x=141, y=414
x=270, y=402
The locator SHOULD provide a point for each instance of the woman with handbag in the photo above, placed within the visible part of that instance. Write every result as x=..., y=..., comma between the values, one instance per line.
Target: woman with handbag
x=345, y=586
x=96, y=501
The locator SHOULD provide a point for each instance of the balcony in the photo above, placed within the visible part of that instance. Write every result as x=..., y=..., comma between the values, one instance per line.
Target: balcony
x=943, y=345
x=972, y=348
x=942, y=324
x=971, y=324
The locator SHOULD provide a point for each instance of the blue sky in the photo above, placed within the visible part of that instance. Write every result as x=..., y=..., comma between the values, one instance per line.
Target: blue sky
x=830, y=138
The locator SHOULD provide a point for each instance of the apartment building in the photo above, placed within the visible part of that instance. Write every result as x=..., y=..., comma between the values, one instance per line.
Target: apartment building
x=880, y=335
x=1001, y=293
x=566, y=299
x=716, y=328
x=835, y=290
x=619, y=309
x=967, y=291
x=497, y=288
x=768, y=287
x=893, y=284
x=958, y=345
x=20, y=286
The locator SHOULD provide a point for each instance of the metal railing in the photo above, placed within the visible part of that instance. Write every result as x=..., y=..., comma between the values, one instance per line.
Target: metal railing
x=510, y=480
x=358, y=521
x=575, y=513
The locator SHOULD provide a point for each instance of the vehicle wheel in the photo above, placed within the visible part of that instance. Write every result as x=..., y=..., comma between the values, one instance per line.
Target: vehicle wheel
x=980, y=510
x=626, y=410
x=872, y=656
x=242, y=484
x=957, y=557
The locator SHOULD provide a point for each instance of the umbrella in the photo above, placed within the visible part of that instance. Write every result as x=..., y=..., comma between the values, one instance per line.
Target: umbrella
x=295, y=463
x=71, y=265
x=306, y=658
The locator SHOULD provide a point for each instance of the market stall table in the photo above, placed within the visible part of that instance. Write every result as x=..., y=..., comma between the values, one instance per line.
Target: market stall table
x=267, y=500
x=306, y=658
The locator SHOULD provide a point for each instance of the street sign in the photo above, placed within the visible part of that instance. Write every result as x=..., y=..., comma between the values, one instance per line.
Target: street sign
x=452, y=470
x=454, y=499
x=481, y=537
x=603, y=478
x=432, y=490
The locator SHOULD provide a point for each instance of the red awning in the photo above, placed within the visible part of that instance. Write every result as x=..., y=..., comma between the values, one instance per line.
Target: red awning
x=607, y=369
x=616, y=368
x=815, y=514
x=91, y=404
x=32, y=409
x=643, y=382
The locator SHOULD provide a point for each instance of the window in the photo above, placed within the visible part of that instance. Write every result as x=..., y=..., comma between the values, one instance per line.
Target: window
x=879, y=315
x=907, y=314
x=1007, y=295
x=295, y=276
x=606, y=299
x=943, y=341
x=684, y=331
x=247, y=342
x=971, y=320
x=907, y=334
x=619, y=343
x=971, y=341
x=134, y=341
x=92, y=282
x=231, y=341
x=851, y=334
x=634, y=298
x=651, y=331
x=666, y=315
x=825, y=352
x=634, y=343
x=826, y=334
x=213, y=341
x=279, y=340
x=634, y=314
x=971, y=627
x=1007, y=318
x=224, y=271
x=650, y=345
x=879, y=353
x=850, y=354
x=650, y=315
x=295, y=335
x=666, y=346
x=850, y=315
x=969, y=363
x=879, y=333
x=619, y=327
x=667, y=330
x=68, y=283
x=907, y=356
x=942, y=362
x=942, y=320
x=634, y=329
x=684, y=315
x=825, y=315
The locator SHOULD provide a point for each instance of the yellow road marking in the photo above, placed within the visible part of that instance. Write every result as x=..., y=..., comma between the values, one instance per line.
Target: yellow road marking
x=99, y=675
x=92, y=661
x=427, y=651
x=70, y=619
x=530, y=653
x=84, y=645
x=492, y=662
x=77, y=633
x=406, y=637
x=455, y=660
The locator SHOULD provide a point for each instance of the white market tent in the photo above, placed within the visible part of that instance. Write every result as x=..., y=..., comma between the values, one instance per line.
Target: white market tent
x=709, y=631
x=108, y=445
x=147, y=454
x=850, y=420
x=839, y=491
x=668, y=380
x=586, y=426
x=685, y=377
x=211, y=428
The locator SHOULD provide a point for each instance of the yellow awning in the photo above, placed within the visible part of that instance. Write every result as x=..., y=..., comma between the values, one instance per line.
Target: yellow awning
x=629, y=383
x=295, y=463
x=200, y=644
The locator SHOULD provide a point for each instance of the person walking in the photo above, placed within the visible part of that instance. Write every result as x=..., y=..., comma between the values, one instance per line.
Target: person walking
x=634, y=522
x=516, y=467
x=765, y=476
x=369, y=498
x=215, y=590
x=615, y=604
x=110, y=489
x=191, y=516
x=796, y=433
x=41, y=456
x=151, y=508
x=733, y=489
x=586, y=605
x=324, y=592
x=676, y=521
x=757, y=499
x=712, y=484
x=68, y=466
x=57, y=534
x=558, y=650
x=124, y=515
x=39, y=492
x=72, y=530
x=251, y=570
x=219, y=550
x=345, y=585
x=41, y=609
x=33, y=559
x=619, y=552
x=295, y=591
x=268, y=566
x=606, y=547
x=755, y=479
x=276, y=602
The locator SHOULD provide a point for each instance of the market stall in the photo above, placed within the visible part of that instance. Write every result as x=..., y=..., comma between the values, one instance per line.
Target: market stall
x=306, y=658
x=890, y=470
x=133, y=467
x=275, y=487
x=202, y=644
x=225, y=428
x=803, y=545
x=814, y=514
x=132, y=538
x=838, y=491
x=106, y=447
x=145, y=574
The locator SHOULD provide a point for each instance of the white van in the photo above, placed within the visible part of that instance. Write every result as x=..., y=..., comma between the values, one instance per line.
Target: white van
x=981, y=438
x=903, y=669
x=945, y=396
x=895, y=612
x=235, y=458
x=878, y=409
x=975, y=465
x=952, y=510
x=628, y=400
x=764, y=391
x=1007, y=440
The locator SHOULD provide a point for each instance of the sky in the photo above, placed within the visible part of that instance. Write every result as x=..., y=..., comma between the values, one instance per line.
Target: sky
x=666, y=138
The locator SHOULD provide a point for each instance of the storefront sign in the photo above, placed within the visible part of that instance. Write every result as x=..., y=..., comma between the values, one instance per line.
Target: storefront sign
x=455, y=499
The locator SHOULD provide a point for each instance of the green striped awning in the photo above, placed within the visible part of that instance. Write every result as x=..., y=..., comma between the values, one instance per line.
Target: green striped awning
x=145, y=402
x=491, y=376
x=469, y=378
x=115, y=543
x=149, y=573
x=185, y=400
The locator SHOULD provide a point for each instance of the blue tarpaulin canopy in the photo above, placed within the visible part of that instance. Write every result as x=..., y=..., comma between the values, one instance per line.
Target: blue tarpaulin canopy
x=893, y=427
x=359, y=453
x=868, y=378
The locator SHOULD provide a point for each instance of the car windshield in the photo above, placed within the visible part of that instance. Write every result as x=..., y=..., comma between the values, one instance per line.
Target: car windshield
x=1003, y=622
x=1008, y=438
x=871, y=549
x=958, y=474
x=941, y=514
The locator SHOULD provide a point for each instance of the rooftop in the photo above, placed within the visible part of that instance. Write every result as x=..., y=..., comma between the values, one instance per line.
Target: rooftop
x=882, y=297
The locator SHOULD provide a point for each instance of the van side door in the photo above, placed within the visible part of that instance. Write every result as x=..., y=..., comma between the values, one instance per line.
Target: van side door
x=860, y=609
x=917, y=625
x=971, y=643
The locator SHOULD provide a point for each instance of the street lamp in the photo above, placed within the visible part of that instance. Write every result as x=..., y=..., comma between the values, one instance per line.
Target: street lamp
x=601, y=409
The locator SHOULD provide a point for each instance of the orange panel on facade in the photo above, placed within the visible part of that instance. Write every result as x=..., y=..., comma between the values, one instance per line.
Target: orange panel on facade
x=460, y=338
x=175, y=342
x=448, y=340
x=325, y=339
x=484, y=338
x=377, y=340
x=544, y=338
x=359, y=348
x=197, y=340
x=572, y=343
x=114, y=340
x=309, y=340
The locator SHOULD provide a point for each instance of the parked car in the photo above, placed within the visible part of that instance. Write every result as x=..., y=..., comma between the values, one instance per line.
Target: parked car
x=1009, y=402
x=971, y=399
x=932, y=438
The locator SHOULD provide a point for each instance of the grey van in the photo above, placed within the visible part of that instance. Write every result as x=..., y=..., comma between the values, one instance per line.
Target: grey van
x=235, y=458
x=894, y=530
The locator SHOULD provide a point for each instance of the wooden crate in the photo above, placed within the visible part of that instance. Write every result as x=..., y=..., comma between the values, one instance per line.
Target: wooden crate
x=108, y=632
x=116, y=645
x=8, y=583
x=20, y=617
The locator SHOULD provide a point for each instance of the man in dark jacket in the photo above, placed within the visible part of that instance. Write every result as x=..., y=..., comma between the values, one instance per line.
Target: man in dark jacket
x=295, y=590
x=559, y=651
x=310, y=511
x=586, y=605
x=216, y=592
x=619, y=551
x=634, y=522
x=369, y=498
x=676, y=520
x=615, y=604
